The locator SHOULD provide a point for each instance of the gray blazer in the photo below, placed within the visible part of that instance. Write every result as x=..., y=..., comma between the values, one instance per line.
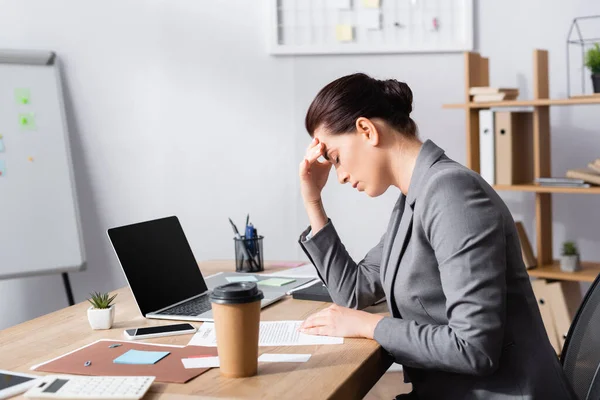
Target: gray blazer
x=464, y=321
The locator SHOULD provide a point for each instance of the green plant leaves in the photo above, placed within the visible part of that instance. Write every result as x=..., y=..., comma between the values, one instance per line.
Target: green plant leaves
x=592, y=59
x=101, y=300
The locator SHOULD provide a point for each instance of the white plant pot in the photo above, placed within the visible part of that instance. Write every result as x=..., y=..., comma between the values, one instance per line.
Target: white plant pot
x=101, y=318
x=569, y=263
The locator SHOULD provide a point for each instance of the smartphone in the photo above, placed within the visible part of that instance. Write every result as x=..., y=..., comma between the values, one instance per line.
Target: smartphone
x=159, y=331
x=14, y=383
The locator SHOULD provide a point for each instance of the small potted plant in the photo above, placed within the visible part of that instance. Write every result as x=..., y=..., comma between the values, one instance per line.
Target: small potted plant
x=102, y=312
x=569, y=260
x=592, y=61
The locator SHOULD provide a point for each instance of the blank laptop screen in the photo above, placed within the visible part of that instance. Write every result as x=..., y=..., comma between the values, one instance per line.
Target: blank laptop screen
x=158, y=263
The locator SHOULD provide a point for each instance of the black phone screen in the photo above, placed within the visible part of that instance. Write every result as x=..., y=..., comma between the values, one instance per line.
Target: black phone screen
x=150, y=330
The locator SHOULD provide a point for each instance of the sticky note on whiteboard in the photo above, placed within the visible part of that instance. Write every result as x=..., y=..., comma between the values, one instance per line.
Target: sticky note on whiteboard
x=1, y=144
x=2, y=168
x=344, y=33
x=371, y=3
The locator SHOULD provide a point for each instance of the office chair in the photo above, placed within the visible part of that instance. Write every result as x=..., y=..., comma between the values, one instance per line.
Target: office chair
x=580, y=357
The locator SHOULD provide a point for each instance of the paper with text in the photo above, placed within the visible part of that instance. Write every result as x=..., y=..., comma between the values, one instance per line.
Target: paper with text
x=272, y=333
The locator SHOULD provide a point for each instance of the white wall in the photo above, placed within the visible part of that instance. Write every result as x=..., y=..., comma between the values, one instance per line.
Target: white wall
x=168, y=98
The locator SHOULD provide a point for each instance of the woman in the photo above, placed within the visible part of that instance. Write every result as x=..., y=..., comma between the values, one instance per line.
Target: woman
x=464, y=321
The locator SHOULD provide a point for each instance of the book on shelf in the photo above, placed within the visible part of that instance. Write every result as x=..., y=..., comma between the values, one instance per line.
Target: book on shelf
x=526, y=250
x=475, y=90
x=595, y=166
x=483, y=98
x=587, y=174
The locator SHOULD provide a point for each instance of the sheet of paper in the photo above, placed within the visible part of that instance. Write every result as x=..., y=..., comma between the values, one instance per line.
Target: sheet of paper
x=200, y=362
x=243, y=278
x=370, y=19
x=304, y=271
x=271, y=357
x=371, y=3
x=272, y=333
x=344, y=33
x=291, y=264
x=339, y=4
x=276, y=281
x=141, y=357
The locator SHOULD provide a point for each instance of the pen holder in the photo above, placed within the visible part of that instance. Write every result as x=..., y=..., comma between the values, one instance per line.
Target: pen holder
x=249, y=254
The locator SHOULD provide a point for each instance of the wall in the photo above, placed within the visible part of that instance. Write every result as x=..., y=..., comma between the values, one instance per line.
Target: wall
x=175, y=108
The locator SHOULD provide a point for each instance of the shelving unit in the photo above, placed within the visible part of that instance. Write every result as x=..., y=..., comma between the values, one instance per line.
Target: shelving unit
x=477, y=74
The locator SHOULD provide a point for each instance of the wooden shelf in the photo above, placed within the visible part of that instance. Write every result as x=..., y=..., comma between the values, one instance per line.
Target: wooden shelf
x=547, y=189
x=588, y=273
x=528, y=103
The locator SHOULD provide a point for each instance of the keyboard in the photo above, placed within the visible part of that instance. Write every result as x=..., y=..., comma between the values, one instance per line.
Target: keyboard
x=197, y=306
x=91, y=387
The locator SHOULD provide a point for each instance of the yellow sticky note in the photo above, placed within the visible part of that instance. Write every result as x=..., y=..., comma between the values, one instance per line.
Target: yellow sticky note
x=371, y=3
x=344, y=33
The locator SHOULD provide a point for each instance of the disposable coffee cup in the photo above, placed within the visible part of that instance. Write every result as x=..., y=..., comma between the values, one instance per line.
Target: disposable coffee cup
x=236, y=311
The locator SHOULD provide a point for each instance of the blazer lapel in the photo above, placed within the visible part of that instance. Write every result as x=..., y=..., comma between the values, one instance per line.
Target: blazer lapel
x=391, y=234
x=399, y=245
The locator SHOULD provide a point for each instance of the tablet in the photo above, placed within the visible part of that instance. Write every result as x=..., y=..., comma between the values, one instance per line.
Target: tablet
x=14, y=383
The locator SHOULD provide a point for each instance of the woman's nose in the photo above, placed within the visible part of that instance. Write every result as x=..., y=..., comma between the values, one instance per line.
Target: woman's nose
x=343, y=176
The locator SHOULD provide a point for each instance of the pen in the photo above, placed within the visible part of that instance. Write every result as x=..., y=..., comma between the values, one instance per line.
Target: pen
x=243, y=242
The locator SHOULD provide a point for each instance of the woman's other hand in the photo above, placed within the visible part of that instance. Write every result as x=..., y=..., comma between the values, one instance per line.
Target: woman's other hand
x=313, y=173
x=341, y=322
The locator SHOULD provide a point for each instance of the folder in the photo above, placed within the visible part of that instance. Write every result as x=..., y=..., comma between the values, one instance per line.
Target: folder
x=539, y=290
x=168, y=370
x=514, y=147
x=487, y=153
x=526, y=250
x=564, y=298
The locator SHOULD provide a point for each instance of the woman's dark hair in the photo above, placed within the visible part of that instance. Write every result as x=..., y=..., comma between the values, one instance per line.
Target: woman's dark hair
x=339, y=104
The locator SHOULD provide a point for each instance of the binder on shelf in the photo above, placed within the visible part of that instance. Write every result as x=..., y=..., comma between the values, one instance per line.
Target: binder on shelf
x=514, y=147
x=540, y=292
x=565, y=298
x=526, y=250
x=487, y=152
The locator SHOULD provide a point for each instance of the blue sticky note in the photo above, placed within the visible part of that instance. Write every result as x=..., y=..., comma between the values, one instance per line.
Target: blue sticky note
x=141, y=357
x=2, y=168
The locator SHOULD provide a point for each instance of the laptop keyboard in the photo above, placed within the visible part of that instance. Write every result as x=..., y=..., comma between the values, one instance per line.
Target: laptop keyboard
x=193, y=307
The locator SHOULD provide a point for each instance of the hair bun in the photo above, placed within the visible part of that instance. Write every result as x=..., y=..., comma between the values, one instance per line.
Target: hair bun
x=398, y=94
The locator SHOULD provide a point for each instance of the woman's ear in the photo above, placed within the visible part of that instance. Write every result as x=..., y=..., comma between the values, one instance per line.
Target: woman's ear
x=368, y=130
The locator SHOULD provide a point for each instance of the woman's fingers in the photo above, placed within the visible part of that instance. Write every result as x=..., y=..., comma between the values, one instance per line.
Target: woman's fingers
x=317, y=320
x=314, y=152
x=319, y=331
x=304, y=168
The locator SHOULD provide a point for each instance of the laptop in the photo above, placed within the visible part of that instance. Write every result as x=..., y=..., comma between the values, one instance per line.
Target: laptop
x=163, y=274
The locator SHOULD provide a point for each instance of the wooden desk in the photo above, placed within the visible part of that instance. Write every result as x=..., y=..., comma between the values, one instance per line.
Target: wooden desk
x=335, y=371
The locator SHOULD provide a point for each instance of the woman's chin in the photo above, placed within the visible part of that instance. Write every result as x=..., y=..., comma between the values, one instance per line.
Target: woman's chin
x=373, y=192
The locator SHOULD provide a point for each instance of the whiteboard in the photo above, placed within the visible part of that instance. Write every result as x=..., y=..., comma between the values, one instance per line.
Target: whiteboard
x=369, y=26
x=39, y=218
